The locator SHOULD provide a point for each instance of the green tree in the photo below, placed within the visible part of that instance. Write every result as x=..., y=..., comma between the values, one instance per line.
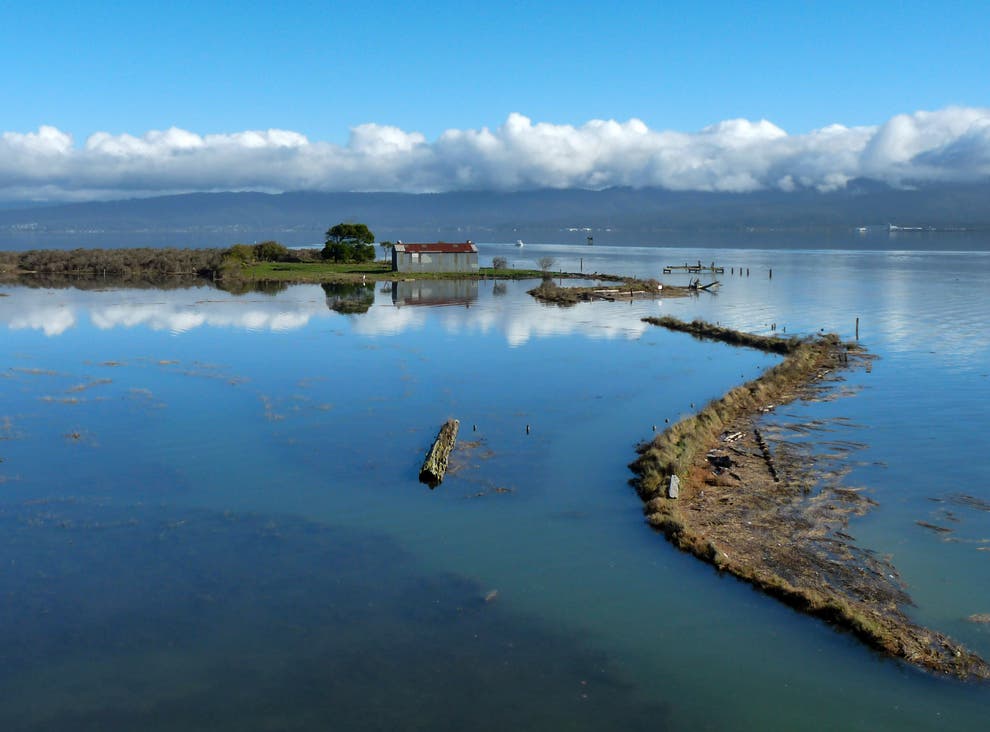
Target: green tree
x=386, y=248
x=349, y=242
x=364, y=253
x=337, y=251
x=350, y=233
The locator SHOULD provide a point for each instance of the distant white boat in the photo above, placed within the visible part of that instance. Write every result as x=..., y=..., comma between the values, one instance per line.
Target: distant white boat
x=519, y=243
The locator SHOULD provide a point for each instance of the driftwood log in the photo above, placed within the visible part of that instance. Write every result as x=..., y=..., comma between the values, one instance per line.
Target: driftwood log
x=435, y=464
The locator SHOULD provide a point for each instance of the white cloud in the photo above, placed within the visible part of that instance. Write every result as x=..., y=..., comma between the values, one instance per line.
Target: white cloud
x=181, y=318
x=951, y=144
x=52, y=320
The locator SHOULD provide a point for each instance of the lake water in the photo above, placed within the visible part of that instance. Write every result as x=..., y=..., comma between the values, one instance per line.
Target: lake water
x=210, y=516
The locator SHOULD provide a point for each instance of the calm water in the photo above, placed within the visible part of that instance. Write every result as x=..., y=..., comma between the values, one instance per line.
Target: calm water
x=210, y=518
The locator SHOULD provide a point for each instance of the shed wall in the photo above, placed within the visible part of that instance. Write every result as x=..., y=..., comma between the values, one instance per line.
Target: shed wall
x=434, y=261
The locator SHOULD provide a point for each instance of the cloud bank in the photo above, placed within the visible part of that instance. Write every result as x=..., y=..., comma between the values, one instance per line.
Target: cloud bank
x=948, y=145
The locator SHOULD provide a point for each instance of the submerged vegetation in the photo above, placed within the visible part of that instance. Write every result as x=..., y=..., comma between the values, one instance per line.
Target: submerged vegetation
x=732, y=507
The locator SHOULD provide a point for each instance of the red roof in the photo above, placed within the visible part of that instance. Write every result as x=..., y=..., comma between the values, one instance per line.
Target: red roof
x=463, y=248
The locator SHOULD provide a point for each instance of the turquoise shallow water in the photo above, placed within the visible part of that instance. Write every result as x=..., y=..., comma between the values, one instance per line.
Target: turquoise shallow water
x=211, y=519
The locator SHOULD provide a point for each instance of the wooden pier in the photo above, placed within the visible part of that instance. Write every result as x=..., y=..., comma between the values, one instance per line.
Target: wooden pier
x=694, y=268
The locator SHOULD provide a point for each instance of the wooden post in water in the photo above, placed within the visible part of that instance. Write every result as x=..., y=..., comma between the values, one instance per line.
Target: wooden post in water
x=857, y=329
x=435, y=464
x=771, y=274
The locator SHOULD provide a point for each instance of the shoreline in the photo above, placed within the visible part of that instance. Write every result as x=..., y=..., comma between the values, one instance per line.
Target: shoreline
x=736, y=501
x=269, y=276
x=220, y=267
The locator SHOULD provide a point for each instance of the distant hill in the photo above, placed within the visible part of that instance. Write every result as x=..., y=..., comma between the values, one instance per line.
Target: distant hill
x=618, y=215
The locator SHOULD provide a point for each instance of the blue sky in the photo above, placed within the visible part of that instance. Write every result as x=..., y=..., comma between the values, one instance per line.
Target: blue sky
x=322, y=68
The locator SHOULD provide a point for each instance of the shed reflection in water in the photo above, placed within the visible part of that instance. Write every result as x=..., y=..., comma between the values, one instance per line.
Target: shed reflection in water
x=434, y=292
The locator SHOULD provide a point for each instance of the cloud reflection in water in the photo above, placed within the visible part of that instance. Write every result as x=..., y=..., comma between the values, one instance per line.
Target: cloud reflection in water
x=54, y=312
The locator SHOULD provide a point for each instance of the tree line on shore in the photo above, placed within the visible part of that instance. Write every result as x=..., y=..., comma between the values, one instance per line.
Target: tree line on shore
x=345, y=242
x=142, y=262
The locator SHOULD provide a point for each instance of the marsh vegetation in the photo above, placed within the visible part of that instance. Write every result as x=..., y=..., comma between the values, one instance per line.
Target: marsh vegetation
x=231, y=268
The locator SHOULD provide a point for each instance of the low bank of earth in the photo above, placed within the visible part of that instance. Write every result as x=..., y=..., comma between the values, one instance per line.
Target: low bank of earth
x=770, y=518
x=617, y=288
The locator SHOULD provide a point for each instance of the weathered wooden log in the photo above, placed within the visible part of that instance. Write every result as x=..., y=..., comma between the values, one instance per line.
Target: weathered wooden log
x=435, y=464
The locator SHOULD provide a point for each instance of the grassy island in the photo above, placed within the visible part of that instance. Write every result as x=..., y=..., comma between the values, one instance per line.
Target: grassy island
x=772, y=519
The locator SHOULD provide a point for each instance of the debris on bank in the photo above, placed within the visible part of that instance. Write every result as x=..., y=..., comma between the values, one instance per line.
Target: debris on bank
x=627, y=289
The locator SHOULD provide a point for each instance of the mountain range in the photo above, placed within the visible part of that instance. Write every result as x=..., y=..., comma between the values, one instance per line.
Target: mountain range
x=614, y=215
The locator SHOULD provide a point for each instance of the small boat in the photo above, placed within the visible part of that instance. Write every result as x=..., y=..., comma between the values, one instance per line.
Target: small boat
x=519, y=243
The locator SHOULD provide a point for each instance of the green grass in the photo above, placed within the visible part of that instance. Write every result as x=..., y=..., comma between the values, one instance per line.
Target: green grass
x=350, y=272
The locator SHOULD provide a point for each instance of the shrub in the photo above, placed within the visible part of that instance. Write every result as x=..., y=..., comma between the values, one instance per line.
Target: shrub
x=270, y=251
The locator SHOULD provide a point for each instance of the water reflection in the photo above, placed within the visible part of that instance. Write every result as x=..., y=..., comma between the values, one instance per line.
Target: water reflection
x=349, y=298
x=906, y=301
x=486, y=309
x=434, y=292
x=210, y=418
x=52, y=320
x=241, y=287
